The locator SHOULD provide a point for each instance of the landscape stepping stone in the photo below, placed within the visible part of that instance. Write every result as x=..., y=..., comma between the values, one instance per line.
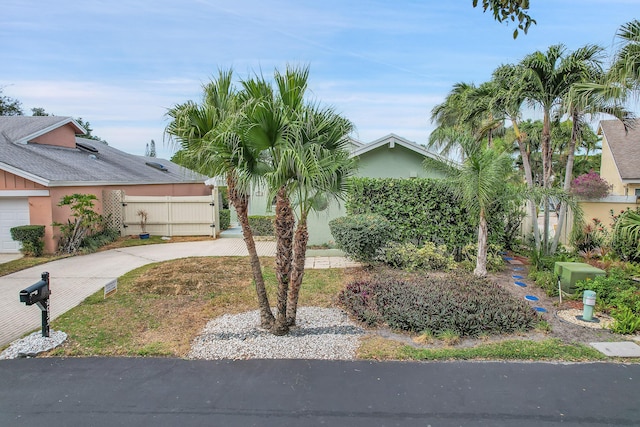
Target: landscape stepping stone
x=521, y=284
x=515, y=276
x=531, y=298
x=540, y=309
x=517, y=268
x=515, y=262
x=617, y=349
x=507, y=258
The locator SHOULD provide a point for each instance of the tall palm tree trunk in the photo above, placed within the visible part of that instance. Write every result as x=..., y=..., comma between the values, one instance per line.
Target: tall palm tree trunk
x=481, y=258
x=284, y=225
x=547, y=154
x=568, y=175
x=241, y=203
x=300, y=240
x=528, y=176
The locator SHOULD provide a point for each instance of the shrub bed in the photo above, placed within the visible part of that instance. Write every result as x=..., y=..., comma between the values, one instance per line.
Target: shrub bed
x=262, y=225
x=456, y=302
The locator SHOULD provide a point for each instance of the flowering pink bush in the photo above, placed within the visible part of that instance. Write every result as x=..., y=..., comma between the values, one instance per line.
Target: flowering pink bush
x=590, y=186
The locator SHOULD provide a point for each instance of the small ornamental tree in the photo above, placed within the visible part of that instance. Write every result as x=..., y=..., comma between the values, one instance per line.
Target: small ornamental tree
x=590, y=186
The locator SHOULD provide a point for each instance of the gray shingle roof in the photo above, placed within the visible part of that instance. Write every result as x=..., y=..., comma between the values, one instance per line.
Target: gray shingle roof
x=625, y=147
x=59, y=166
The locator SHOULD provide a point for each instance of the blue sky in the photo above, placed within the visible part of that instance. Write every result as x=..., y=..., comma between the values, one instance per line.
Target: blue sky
x=383, y=64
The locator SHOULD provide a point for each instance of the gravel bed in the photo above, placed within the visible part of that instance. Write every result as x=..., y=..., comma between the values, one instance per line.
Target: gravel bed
x=320, y=333
x=33, y=344
x=571, y=316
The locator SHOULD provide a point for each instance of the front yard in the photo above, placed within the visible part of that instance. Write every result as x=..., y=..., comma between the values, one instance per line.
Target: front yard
x=159, y=309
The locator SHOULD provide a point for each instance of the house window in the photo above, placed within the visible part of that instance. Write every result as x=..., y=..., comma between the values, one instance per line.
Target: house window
x=637, y=192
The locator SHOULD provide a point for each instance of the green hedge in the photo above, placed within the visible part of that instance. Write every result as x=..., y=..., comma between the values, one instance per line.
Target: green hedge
x=31, y=237
x=425, y=210
x=262, y=225
x=420, y=210
x=361, y=236
x=225, y=219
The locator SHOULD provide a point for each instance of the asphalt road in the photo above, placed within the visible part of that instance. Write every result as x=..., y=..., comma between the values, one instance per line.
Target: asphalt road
x=173, y=392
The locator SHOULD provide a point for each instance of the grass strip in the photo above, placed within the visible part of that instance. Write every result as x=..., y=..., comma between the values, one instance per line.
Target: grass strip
x=551, y=349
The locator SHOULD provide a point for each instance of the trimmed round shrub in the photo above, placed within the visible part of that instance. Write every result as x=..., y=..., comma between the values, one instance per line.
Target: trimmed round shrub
x=262, y=225
x=31, y=237
x=408, y=256
x=463, y=303
x=361, y=236
x=225, y=219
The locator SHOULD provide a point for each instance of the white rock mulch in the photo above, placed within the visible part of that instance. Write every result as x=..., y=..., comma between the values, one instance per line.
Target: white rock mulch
x=571, y=315
x=33, y=344
x=320, y=333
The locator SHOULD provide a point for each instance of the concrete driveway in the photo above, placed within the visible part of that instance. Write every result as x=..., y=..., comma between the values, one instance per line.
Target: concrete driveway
x=74, y=279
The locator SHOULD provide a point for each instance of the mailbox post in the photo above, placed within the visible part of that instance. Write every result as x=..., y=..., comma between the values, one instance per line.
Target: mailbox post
x=38, y=294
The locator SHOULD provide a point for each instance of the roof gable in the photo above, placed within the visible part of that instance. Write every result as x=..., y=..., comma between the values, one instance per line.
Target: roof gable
x=625, y=147
x=391, y=141
x=88, y=162
x=23, y=129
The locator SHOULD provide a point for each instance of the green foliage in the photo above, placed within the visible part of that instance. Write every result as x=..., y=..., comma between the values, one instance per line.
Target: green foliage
x=408, y=256
x=420, y=210
x=465, y=304
x=469, y=254
x=590, y=236
x=626, y=321
x=85, y=222
x=9, y=106
x=626, y=235
x=545, y=280
x=615, y=289
x=361, y=236
x=261, y=225
x=94, y=242
x=223, y=195
x=31, y=237
x=509, y=10
x=225, y=219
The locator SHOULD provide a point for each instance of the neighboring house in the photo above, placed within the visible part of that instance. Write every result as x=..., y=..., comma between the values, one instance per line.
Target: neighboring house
x=42, y=160
x=388, y=157
x=620, y=166
x=621, y=157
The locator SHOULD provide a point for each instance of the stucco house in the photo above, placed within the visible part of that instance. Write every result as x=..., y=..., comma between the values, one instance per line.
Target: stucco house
x=388, y=157
x=41, y=160
x=620, y=166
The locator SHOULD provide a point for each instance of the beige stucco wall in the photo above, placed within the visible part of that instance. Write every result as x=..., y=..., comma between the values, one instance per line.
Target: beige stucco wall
x=63, y=136
x=602, y=210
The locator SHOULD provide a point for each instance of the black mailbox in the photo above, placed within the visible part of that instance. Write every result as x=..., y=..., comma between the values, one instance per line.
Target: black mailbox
x=36, y=292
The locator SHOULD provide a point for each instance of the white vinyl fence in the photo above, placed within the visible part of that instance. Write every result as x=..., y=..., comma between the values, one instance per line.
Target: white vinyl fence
x=171, y=216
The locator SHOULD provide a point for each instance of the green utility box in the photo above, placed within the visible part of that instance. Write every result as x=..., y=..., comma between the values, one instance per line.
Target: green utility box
x=570, y=272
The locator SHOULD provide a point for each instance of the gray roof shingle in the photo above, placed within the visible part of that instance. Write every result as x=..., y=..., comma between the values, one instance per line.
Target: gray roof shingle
x=625, y=147
x=60, y=166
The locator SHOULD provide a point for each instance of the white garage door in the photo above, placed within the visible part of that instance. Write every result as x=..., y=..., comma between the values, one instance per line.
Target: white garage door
x=13, y=212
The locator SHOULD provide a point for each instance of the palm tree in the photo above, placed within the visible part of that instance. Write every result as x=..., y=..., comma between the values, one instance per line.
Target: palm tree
x=479, y=182
x=211, y=144
x=319, y=164
x=577, y=105
x=548, y=77
x=507, y=100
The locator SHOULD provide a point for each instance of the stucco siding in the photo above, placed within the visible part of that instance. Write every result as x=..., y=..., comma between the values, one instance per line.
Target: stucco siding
x=397, y=162
x=609, y=170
